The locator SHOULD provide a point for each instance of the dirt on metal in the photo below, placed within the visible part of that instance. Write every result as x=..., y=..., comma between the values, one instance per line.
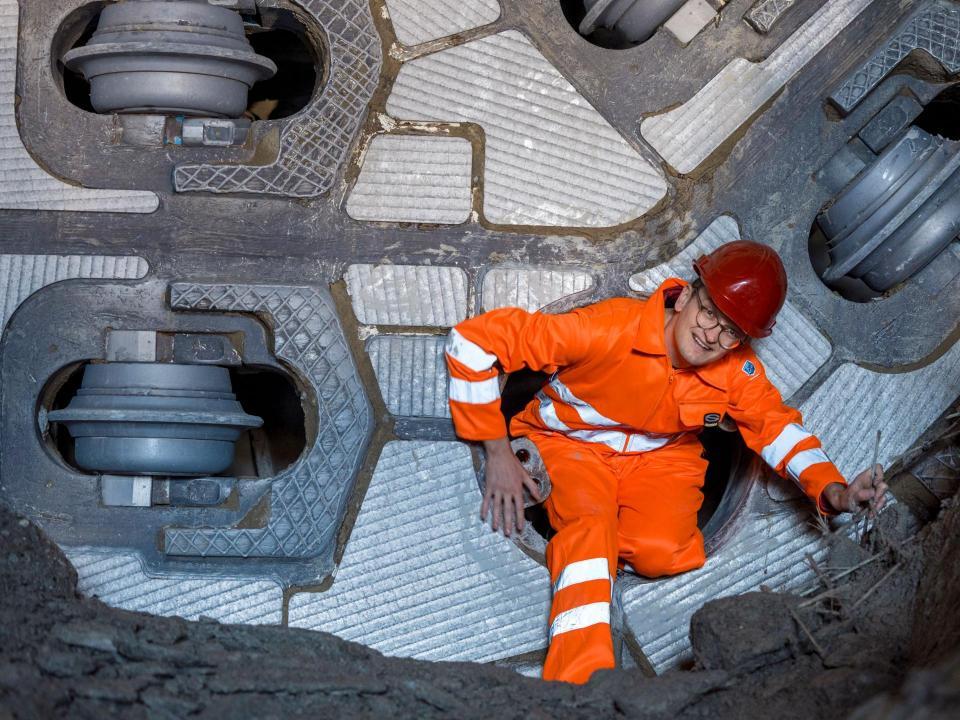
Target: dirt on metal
x=878, y=637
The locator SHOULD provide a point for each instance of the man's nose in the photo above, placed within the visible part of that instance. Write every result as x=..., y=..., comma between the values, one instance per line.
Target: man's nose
x=713, y=334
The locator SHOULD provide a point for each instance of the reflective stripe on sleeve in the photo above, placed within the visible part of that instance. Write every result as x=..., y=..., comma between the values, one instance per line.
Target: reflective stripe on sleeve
x=475, y=393
x=580, y=617
x=774, y=453
x=468, y=353
x=802, y=460
x=582, y=571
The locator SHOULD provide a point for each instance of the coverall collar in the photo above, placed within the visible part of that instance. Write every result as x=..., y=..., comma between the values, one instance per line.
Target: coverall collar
x=651, y=340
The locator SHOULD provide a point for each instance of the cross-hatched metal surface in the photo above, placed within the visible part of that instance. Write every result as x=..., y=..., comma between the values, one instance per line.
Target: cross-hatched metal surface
x=531, y=288
x=315, y=142
x=119, y=580
x=421, y=576
x=765, y=13
x=414, y=178
x=550, y=158
x=934, y=29
x=421, y=295
x=23, y=275
x=691, y=133
x=411, y=373
x=847, y=410
x=419, y=21
x=307, y=499
x=24, y=185
x=795, y=350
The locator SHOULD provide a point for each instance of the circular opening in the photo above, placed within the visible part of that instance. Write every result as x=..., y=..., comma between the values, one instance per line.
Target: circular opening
x=284, y=39
x=725, y=452
x=621, y=25
x=278, y=33
x=258, y=453
x=942, y=115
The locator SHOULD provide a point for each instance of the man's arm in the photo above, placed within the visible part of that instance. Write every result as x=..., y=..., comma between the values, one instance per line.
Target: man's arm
x=476, y=350
x=775, y=431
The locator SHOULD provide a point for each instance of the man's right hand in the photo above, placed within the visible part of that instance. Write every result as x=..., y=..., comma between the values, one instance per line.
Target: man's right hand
x=503, y=492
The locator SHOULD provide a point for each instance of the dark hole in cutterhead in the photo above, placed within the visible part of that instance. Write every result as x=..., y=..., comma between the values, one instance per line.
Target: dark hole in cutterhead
x=299, y=69
x=942, y=115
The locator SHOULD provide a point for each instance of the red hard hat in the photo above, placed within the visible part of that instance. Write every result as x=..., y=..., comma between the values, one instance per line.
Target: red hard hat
x=747, y=283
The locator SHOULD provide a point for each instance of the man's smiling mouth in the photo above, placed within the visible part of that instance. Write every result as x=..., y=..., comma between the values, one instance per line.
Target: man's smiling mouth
x=701, y=343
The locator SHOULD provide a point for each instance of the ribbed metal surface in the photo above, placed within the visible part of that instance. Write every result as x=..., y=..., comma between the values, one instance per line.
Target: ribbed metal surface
x=847, y=410
x=24, y=185
x=23, y=275
x=722, y=230
x=414, y=178
x=767, y=546
x=769, y=540
x=419, y=21
x=551, y=159
x=118, y=579
x=411, y=373
x=421, y=576
x=795, y=350
x=408, y=294
x=688, y=135
x=531, y=288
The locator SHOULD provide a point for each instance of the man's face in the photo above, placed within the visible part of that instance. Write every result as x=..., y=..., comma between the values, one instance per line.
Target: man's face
x=696, y=345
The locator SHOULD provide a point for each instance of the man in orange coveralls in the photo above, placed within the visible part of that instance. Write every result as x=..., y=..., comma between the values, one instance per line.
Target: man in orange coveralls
x=633, y=383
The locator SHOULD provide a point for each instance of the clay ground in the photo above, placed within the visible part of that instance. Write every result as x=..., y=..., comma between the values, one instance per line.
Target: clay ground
x=882, y=642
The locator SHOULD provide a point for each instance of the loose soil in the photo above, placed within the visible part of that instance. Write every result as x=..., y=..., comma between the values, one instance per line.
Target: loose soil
x=881, y=643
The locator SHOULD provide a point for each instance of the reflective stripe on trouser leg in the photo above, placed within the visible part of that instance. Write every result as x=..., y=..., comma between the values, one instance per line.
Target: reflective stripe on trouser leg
x=581, y=556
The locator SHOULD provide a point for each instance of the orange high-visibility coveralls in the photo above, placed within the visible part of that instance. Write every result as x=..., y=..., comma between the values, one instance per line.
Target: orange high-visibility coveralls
x=616, y=427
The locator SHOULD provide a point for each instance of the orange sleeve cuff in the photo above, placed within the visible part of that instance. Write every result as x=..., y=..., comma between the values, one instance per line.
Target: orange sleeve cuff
x=815, y=479
x=478, y=422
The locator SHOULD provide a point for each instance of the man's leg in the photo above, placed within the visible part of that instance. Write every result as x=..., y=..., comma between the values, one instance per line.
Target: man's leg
x=582, y=557
x=659, y=496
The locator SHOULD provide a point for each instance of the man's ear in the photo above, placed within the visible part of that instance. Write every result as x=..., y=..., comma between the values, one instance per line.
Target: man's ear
x=685, y=296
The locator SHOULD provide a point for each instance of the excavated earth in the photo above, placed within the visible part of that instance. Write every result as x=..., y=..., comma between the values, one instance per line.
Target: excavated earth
x=883, y=643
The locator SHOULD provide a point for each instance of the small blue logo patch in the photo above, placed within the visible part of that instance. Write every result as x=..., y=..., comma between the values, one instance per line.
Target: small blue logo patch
x=749, y=368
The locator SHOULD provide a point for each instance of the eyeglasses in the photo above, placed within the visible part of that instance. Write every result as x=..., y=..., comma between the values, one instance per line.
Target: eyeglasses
x=707, y=319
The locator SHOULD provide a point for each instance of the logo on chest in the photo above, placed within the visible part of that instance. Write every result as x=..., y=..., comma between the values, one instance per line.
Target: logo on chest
x=749, y=369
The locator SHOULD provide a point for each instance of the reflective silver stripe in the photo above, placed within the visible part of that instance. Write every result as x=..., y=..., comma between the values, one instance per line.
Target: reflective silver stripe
x=645, y=443
x=548, y=413
x=611, y=438
x=475, y=393
x=775, y=452
x=802, y=460
x=468, y=353
x=580, y=617
x=587, y=412
x=582, y=571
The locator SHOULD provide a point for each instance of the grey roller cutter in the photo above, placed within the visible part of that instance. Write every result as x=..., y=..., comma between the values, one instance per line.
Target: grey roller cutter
x=155, y=419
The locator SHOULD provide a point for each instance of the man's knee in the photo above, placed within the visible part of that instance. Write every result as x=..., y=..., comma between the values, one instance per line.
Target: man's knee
x=659, y=557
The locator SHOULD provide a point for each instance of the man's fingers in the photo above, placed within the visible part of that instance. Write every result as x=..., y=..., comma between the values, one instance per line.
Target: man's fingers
x=509, y=519
x=533, y=487
x=485, y=505
x=518, y=506
x=497, y=512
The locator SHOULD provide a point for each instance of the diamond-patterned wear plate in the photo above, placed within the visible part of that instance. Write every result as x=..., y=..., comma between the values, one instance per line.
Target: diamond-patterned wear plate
x=315, y=143
x=308, y=498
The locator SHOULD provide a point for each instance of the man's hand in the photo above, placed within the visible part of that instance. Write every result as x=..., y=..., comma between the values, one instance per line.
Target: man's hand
x=866, y=490
x=505, y=481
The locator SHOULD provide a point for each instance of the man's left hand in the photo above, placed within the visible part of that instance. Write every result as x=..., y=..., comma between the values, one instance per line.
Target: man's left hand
x=866, y=491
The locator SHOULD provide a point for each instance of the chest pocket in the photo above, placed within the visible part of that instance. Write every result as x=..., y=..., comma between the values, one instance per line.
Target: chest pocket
x=695, y=415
